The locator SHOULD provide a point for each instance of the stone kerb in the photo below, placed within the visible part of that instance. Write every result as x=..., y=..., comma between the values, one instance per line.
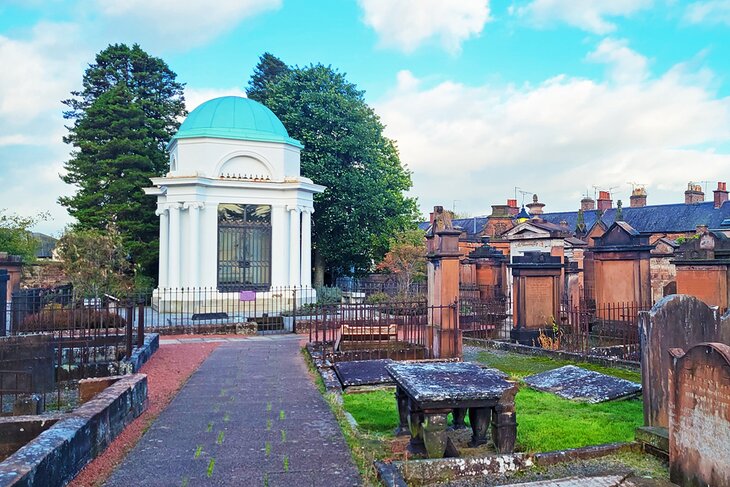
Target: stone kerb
x=677, y=321
x=699, y=423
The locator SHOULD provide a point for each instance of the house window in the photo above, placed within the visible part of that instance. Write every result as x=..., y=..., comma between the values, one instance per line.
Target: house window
x=244, y=247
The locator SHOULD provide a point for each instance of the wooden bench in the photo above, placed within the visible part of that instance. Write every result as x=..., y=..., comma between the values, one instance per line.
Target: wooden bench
x=366, y=334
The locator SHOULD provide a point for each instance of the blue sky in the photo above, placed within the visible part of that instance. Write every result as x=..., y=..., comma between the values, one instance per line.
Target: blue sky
x=553, y=96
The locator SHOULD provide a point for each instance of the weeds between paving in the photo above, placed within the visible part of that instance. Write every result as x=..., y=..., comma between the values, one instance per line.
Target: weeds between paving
x=546, y=422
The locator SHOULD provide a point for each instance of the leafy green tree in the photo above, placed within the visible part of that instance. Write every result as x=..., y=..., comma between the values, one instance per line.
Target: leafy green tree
x=16, y=237
x=406, y=259
x=345, y=150
x=123, y=119
x=268, y=70
x=95, y=261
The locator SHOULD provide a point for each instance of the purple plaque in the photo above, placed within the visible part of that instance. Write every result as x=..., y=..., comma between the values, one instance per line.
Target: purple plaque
x=248, y=296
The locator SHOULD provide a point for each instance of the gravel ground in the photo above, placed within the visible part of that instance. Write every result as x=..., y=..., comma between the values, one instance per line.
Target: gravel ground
x=167, y=371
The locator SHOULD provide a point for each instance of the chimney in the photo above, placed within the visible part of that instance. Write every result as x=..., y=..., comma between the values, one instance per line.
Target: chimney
x=693, y=194
x=604, y=201
x=587, y=204
x=513, y=208
x=638, y=197
x=535, y=208
x=430, y=218
x=720, y=194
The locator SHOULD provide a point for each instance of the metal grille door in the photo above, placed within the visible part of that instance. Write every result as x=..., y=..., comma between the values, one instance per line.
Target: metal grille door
x=244, y=247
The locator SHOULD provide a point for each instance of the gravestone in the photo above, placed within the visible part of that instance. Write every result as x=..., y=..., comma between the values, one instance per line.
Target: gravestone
x=699, y=421
x=363, y=372
x=27, y=363
x=536, y=278
x=575, y=383
x=677, y=321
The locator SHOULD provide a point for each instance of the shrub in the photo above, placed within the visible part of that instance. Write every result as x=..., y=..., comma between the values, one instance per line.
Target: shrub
x=329, y=295
x=53, y=318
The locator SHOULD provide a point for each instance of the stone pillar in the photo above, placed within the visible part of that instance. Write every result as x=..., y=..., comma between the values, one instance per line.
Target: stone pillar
x=306, y=273
x=193, y=255
x=442, y=242
x=279, y=248
x=173, y=270
x=162, y=212
x=294, y=246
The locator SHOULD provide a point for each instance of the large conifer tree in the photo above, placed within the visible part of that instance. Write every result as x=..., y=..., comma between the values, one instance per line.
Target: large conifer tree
x=123, y=119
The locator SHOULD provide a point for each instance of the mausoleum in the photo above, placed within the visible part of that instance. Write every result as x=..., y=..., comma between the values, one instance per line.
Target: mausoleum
x=235, y=212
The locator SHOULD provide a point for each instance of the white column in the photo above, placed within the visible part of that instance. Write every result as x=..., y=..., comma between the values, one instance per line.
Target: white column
x=279, y=247
x=164, y=245
x=307, y=246
x=193, y=255
x=294, y=246
x=173, y=271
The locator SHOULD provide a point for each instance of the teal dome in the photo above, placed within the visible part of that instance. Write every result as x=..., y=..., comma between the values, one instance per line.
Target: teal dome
x=235, y=117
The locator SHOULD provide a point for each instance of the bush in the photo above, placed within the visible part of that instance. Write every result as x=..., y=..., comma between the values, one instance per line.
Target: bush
x=329, y=295
x=52, y=318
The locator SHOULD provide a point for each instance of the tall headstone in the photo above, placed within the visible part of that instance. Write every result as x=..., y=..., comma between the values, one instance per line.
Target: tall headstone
x=677, y=321
x=442, y=243
x=703, y=268
x=699, y=423
x=536, y=287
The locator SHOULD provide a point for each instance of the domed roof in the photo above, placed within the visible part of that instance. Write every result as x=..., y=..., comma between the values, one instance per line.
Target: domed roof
x=235, y=117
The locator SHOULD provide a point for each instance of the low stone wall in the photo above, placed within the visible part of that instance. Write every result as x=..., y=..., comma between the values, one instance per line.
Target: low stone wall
x=16, y=431
x=57, y=454
x=142, y=355
x=556, y=354
x=422, y=472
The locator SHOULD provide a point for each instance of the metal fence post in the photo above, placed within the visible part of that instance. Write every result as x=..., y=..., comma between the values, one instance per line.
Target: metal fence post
x=140, y=323
x=4, y=278
x=294, y=310
x=130, y=323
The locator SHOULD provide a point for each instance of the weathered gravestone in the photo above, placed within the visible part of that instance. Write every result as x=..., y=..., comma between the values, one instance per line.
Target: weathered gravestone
x=576, y=383
x=677, y=321
x=699, y=421
x=363, y=372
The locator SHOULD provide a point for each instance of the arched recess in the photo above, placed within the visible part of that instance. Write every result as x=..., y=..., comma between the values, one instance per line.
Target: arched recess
x=246, y=164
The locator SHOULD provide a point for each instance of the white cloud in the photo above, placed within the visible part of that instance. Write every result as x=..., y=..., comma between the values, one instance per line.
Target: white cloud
x=589, y=15
x=41, y=69
x=406, y=24
x=196, y=96
x=560, y=137
x=710, y=12
x=178, y=24
x=625, y=65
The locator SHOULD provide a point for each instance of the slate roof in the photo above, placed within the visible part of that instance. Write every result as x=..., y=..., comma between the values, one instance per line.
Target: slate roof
x=472, y=226
x=676, y=217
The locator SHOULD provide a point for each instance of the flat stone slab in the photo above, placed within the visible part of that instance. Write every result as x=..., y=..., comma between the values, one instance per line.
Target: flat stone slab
x=576, y=383
x=448, y=381
x=363, y=372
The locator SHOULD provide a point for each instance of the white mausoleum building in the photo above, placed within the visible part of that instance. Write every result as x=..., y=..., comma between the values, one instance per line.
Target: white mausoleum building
x=235, y=212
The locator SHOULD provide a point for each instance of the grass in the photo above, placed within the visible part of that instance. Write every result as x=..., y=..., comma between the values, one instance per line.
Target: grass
x=519, y=366
x=546, y=421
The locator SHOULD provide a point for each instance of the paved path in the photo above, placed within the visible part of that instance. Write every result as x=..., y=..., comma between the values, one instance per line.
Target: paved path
x=250, y=416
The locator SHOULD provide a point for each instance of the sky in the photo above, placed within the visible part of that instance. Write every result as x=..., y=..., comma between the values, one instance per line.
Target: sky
x=486, y=99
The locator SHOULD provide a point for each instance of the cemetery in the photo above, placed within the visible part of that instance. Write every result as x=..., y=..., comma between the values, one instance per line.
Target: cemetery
x=517, y=351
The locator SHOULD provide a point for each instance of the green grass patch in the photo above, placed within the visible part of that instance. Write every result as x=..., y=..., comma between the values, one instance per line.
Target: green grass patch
x=547, y=422
x=519, y=366
x=375, y=412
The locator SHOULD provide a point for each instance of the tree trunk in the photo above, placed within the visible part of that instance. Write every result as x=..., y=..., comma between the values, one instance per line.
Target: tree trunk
x=318, y=270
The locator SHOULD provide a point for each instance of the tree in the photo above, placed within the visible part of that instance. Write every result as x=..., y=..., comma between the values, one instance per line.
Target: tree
x=123, y=119
x=15, y=235
x=95, y=261
x=406, y=259
x=345, y=150
x=268, y=70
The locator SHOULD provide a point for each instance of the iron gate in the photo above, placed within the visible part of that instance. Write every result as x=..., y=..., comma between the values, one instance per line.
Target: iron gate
x=244, y=247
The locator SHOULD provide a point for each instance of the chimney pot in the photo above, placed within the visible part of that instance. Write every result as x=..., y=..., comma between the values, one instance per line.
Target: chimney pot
x=720, y=194
x=604, y=200
x=694, y=194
